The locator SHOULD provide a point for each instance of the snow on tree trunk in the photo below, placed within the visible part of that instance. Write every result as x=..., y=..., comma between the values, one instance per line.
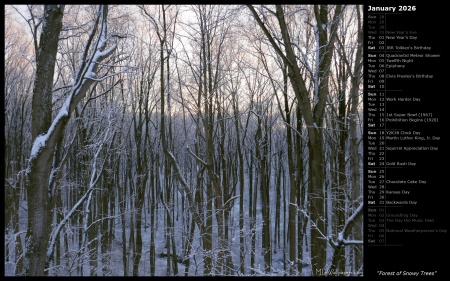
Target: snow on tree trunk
x=46, y=135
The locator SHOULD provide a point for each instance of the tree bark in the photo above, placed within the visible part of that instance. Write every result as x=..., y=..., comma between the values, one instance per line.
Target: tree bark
x=313, y=116
x=39, y=219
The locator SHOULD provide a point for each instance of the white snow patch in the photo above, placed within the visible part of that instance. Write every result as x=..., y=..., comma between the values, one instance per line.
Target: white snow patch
x=98, y=54
x=341, y=236
x=41, y=140
x=90, y=74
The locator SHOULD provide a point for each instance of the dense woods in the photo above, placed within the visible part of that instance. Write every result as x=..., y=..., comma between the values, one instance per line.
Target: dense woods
x=180, y=140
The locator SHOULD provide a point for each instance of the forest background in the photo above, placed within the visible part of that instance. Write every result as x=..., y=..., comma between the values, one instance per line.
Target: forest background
x=183, y=140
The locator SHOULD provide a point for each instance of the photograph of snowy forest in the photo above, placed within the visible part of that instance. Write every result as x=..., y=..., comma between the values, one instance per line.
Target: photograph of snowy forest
x=183, y=140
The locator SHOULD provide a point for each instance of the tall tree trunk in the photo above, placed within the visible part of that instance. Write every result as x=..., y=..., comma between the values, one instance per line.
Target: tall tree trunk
x=279, y=173
x=252, y=211
x=138, y=226
x=312, y=114
x=316, y=202
x=39, y=219
x=241, y=184
x=153, y=213
x=122, y=199
x=92, y=234
x=46, y=135
x=355, y=140
x=342, y=176
x=301, y=192
x=132, y=210
x=104, y=225
x=292, y=179
x=262, y=150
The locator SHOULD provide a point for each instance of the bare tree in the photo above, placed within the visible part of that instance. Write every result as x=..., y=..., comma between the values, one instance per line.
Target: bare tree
x=47, y=133
x=18, y=82
x=311, y=106
x=232, y=148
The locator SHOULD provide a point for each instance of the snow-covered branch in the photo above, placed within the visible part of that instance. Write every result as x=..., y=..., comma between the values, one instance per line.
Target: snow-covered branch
x=196, y=157
x=94, y=179
x=230, y=200
x=85, y=77
x=295, y=130
x=341, y=237
x=56, y=231
x=185, y=188
x=313, y=224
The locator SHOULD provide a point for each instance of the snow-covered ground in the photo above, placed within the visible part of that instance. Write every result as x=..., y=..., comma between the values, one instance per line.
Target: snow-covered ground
x=68, y=266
